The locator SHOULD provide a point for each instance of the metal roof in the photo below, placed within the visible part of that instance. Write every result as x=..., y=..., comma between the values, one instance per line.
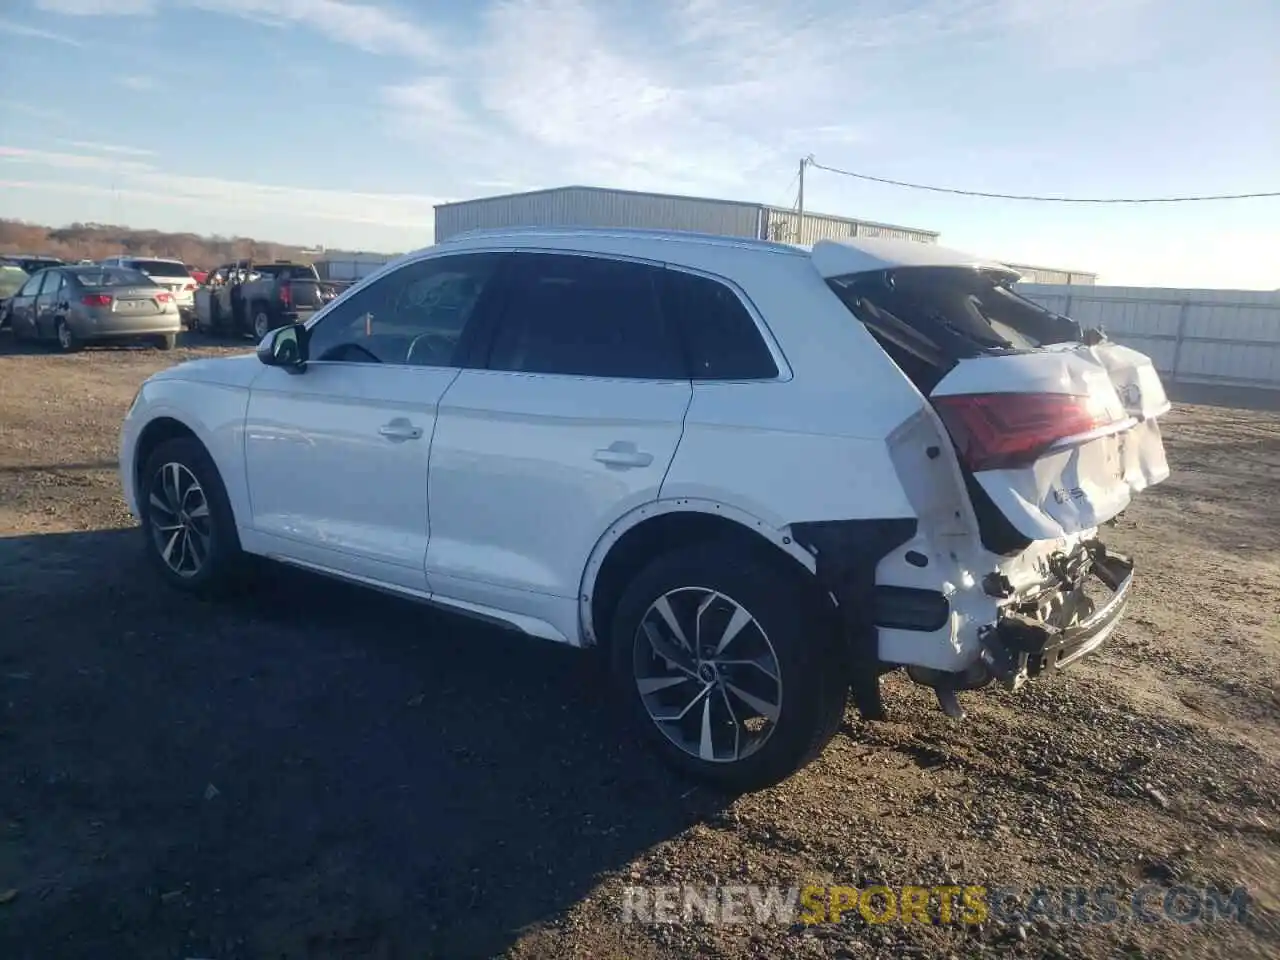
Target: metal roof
x=678, y=196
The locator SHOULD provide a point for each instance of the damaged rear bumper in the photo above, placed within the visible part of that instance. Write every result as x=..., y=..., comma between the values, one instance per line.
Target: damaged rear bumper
x=1027, y=639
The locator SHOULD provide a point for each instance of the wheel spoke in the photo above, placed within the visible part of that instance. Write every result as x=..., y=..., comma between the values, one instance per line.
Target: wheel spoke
x=672, y=717
x=650, y=685
x=199, y=512
x=663, y=606
x=706, y=749
x=733, y=719
x=762, y=707
x=678, y=658
x=739, y=620
x=168, y=550
x=160, y=504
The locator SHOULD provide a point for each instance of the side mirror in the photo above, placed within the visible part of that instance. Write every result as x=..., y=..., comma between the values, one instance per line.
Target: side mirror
x=285, y=347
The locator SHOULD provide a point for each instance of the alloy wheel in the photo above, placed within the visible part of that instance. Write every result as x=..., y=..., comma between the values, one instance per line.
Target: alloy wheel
x=707, y=674
x=261, y=324
x=64, y=336
x=181, y=527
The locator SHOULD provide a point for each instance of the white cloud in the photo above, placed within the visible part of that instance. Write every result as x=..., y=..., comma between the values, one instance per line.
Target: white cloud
x=366, y=26
x=96, y=8
x=110, y=148
x=36, y=33
x=139, y=180
x=137, y=82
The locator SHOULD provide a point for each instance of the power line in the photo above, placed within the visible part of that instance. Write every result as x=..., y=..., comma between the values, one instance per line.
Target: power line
x=1016, y=196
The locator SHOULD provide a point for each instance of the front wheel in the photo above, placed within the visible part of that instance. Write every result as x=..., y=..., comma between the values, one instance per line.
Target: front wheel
x=189, y=529
x=729, y=665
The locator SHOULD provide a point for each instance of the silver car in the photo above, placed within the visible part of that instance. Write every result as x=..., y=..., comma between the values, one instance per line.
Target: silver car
x=86, y=304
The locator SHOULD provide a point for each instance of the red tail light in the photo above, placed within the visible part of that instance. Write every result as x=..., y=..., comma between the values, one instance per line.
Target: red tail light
x=163, y=297
x=96, y=300
x=995, y=431
x=286, y=295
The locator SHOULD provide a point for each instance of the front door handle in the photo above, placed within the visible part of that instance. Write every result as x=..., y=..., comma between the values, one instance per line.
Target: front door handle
x=400, y=429
x=623, y=454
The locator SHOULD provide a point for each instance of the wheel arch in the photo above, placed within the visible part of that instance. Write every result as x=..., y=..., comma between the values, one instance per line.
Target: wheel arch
x=159, y=430
x=636, y=537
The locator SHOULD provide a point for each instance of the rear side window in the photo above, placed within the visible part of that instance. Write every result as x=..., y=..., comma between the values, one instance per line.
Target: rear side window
x=160, y=268
x=584, y=316
x=52, y=280
x=720, y=337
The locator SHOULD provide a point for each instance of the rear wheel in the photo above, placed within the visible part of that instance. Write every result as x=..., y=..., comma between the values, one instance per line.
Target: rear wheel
x=167, y=341
x=728, y=664
x=261, y=321
x=68, y=342
x=187, y=522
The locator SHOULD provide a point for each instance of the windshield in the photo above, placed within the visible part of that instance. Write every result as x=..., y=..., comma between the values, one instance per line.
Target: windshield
x=111, y=277
x=11, y=278
x=160, y=268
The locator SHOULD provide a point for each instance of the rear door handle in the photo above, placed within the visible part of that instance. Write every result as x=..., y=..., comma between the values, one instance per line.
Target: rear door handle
x=623, y=454
x=400, y=429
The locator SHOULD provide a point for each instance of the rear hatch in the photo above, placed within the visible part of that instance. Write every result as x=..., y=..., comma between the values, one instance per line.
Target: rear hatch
x=1055, y=426
x=169, y=275
x=297, y=287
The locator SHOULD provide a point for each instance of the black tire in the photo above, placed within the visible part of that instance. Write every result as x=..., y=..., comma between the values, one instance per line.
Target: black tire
x=813, y=684
x=223, y=562
x=259, y=321
x=68, y=342
x=167, y=341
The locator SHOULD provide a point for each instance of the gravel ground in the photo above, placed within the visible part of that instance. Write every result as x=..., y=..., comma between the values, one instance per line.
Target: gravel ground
x=316, y=771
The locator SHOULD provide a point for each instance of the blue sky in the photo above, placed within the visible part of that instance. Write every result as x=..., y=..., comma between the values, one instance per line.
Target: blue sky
x=342, y=122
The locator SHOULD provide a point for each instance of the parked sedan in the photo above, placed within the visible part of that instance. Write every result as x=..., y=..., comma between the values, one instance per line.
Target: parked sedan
x=11, y=280
x=78, y=305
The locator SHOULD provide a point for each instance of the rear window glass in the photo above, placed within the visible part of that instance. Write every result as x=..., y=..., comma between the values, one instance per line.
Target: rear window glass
x=285, y=271
x=948, y=313
x=111, y=277
x=720, y=336
x=160, y=268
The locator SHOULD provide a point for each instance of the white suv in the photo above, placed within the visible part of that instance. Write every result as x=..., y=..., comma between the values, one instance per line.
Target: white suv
x=757, y=476
x=173, y=275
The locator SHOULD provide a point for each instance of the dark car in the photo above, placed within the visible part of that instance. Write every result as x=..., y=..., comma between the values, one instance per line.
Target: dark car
x=32, y=263
x=78, y=305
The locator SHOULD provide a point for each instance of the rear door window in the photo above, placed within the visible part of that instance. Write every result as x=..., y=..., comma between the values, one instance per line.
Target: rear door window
x=578, y=315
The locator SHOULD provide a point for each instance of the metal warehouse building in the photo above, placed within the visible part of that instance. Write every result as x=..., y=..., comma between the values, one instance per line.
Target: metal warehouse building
x=600, y=207
x=1054, y=275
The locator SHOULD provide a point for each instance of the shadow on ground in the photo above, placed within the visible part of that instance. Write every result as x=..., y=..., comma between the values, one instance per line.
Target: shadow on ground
x=310, y=770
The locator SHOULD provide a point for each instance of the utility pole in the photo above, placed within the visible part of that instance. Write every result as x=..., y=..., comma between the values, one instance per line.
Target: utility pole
x=804, y=162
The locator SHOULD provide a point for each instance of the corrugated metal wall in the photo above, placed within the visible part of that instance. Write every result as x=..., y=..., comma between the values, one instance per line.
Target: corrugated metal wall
x=585, y=207
x=1229, y=337
x=781, y=226
x=1053, y=275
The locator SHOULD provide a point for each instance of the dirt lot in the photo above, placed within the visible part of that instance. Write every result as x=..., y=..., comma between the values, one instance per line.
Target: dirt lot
x=313, y=771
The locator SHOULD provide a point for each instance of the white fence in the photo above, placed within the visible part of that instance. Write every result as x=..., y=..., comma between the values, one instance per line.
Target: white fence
x=1227, y=337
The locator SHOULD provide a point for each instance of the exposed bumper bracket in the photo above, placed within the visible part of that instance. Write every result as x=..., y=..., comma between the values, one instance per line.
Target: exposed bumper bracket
x=1020, y=646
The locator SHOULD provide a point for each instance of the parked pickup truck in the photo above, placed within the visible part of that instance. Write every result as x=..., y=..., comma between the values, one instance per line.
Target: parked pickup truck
x=246, y=297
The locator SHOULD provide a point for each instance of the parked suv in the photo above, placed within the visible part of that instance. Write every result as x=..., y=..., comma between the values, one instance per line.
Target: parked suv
x=172, y=275
x=754, y=475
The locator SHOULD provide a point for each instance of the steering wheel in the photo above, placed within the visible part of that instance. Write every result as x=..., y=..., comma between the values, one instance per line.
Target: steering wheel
x=340, y=351
x=439, y=347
